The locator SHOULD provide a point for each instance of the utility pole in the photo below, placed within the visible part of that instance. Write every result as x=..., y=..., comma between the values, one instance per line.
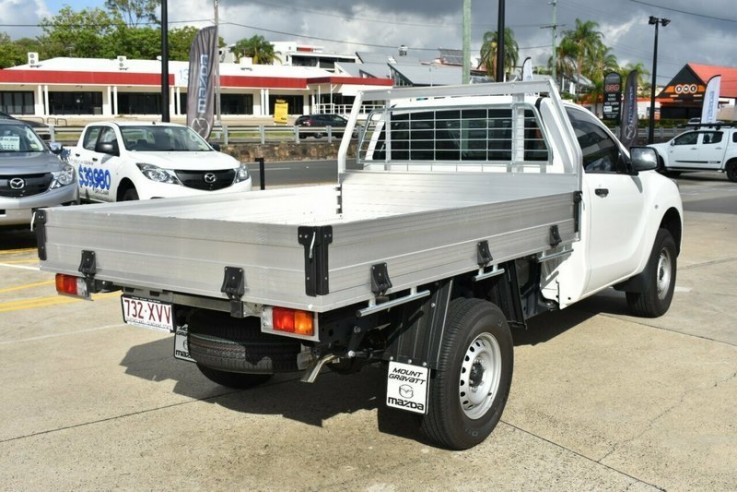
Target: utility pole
x=554, y=28
x=466, y=78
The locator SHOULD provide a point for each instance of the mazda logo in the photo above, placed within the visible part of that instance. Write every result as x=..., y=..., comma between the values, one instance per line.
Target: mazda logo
x=17, y=183
x=210, y=178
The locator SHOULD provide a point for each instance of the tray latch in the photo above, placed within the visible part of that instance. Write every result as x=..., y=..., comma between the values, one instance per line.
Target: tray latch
x=234, y=286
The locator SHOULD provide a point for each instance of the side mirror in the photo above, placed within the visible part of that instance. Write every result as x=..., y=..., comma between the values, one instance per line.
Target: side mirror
x=215, y=146
x=56, y=147
x=108, y=148
x=644, y=158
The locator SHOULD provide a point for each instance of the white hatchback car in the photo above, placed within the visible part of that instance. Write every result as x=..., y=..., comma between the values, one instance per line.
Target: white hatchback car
x=118, y=161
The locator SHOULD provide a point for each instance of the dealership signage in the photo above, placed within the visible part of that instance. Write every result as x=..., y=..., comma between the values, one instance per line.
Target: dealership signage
x=612, y=95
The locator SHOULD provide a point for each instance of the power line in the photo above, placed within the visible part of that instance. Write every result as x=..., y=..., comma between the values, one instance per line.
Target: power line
x=685, y=12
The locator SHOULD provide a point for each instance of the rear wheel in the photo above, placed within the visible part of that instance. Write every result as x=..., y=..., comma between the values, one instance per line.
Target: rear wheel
x=469, y=389
x=660, y=279
x=732, y=171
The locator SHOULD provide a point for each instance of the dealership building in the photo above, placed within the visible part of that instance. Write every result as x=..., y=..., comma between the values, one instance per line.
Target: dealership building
x=683, y=96
x=66, y=91
x=60, y=90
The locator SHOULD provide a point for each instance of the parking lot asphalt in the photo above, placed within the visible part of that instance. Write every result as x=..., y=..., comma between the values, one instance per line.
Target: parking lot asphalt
x=600, y=400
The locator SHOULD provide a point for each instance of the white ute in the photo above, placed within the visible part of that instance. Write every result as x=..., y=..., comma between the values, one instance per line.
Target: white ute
x=708, y=148
x=117, y=161
x=473, y=209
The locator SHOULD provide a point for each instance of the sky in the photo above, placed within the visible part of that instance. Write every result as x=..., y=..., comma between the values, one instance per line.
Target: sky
x=702, y=32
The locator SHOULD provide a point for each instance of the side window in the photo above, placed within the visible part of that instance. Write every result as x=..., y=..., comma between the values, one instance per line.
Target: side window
x=712, y=137
x=90, y=138
x=107, y=136
x=601, y=153
x=689, y=138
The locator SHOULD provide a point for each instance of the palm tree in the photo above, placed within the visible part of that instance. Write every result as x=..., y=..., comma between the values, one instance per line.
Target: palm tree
x=586, y=39
x=599, y=61
x=489, y=51
x=258, y=48
x=643, y=77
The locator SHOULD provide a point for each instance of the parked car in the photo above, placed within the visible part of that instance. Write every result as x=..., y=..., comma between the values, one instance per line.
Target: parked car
x=710, y=148
x=31, y=175
x=119, y=161
x=320, y=122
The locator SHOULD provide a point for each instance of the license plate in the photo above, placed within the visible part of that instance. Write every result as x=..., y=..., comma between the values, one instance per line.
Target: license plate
x=147, y=313
x=406, y=387
x=181, y=344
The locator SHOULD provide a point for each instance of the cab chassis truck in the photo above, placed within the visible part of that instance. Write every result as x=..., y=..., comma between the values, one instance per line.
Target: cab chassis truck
x=470, y=210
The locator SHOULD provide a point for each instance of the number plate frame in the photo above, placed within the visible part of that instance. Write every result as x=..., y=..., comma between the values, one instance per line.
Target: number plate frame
x=147, y=313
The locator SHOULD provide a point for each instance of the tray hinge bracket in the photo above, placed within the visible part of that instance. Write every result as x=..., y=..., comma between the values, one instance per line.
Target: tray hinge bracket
x=88, y=268
x=555, y=239
x=316, y=241
x=380, y=281
x=483, y=254
x=234, y=286
x=39, y=226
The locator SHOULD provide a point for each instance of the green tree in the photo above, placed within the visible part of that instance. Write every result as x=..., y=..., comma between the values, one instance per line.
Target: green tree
x=586, y=40
x=489, y=51
x=180, y=40
x=257, y=48
x=78, y=34
x=135, y=12
x=643, y=77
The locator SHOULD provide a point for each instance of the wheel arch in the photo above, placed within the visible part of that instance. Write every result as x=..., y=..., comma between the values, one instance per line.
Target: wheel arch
x=124, y=185
x=673, y=223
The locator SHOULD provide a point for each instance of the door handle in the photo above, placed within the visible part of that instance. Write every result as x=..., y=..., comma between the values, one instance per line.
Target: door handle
x=602, y=192
x=94, y=159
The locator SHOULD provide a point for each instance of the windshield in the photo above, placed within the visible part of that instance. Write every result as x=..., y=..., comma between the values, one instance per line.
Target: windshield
x=163, y=138
x=19, y=138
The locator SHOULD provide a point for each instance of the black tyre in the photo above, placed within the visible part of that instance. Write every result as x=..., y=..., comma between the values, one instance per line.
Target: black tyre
x=129, y=195
x=469, y=389
x=237, y=380
x=220, y=342
x=732, y=171
x=659, y=279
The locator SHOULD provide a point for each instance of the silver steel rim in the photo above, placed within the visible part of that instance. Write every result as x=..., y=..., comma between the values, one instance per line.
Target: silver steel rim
x=480, y=375
x=664, y=274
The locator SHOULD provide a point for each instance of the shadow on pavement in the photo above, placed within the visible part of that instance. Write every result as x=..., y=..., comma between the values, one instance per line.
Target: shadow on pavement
x=17, y=239
x=312, y=404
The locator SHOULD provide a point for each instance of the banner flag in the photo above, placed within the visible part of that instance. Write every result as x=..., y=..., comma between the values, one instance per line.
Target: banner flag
x=711, y=100
x=628, y=124
x=527, y=69
x=203, y=74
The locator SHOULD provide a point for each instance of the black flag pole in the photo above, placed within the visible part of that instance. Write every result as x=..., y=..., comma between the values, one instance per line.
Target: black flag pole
x=164, y=62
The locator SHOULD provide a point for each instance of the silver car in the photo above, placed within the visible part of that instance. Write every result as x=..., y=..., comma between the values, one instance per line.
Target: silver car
x=31, y=175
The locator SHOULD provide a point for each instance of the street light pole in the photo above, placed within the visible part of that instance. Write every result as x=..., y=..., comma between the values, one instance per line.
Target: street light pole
x=651, y=129
x=500, y=44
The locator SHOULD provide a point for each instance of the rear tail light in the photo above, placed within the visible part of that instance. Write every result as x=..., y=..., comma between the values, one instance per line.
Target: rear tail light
x=287, y=320
x=71, y=286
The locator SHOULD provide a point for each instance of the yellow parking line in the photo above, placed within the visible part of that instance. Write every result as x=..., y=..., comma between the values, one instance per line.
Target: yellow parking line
x=16, y=251
x=19, y=262
x=27, y=286
x=47, y=301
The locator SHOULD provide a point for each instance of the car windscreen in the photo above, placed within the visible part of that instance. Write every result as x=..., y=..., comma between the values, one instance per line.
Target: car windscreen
x=163, y=139
x=19, y=138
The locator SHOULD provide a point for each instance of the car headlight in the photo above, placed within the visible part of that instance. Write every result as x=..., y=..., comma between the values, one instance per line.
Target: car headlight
x=241, y=174
x=160, y=175
x=65, y=177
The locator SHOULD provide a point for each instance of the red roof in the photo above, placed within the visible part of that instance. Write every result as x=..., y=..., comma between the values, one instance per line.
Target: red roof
x=728, y=86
